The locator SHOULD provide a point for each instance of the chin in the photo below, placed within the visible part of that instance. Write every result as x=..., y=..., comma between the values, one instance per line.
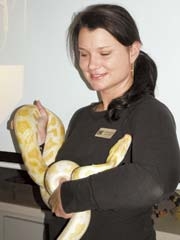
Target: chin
x=97, y=88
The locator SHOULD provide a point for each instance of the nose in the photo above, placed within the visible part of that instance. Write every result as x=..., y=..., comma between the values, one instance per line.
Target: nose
x=94, y=62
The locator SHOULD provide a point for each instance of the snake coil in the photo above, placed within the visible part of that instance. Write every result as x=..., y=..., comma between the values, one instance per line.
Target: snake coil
x=46, y=173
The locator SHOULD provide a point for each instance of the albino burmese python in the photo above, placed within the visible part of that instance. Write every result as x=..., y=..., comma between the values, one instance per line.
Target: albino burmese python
x=25, y=126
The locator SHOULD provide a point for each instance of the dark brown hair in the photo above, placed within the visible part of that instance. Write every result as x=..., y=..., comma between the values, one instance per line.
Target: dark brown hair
x=118, y=22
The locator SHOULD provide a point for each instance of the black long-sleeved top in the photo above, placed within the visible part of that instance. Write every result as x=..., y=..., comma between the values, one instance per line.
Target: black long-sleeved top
x=121, y=198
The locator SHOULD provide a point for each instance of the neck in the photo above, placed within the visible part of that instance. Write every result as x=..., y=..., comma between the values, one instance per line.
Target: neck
x=108, y=95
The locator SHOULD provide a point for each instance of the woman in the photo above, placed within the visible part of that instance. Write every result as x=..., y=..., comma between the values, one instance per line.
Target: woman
x=106, y=49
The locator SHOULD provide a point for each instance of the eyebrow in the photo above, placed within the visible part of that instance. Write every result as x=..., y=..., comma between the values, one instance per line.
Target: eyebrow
x=100, y=48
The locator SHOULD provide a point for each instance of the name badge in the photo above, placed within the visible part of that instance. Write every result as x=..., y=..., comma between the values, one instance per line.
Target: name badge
x=105, y=133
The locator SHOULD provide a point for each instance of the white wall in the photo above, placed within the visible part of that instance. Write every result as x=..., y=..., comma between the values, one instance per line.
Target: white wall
x=36, y=39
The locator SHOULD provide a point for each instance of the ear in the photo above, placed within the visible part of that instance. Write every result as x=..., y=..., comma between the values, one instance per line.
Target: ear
x=134, y=51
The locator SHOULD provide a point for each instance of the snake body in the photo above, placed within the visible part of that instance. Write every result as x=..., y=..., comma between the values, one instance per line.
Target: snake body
x=46, y=173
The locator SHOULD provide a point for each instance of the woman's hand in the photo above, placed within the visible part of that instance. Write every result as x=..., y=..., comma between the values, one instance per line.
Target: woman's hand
x=42, y=122
x=56, y=204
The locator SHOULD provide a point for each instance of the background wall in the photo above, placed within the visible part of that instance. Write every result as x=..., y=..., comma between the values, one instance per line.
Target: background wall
x=34, y=62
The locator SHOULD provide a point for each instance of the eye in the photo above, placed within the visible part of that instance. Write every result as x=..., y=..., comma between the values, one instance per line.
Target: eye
x=105, y=53
x=83, y=54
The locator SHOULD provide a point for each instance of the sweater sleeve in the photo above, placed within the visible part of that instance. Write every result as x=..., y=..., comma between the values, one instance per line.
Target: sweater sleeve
x=152, y=174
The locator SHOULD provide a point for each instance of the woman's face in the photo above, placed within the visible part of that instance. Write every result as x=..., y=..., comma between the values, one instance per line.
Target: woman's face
x=105, y=63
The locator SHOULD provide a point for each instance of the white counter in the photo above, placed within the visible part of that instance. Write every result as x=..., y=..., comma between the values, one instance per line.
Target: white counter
x=20, y=222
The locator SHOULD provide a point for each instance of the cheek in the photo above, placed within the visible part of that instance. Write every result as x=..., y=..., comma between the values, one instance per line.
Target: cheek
x=84, y=69
x=122, y=63
x=83, y=65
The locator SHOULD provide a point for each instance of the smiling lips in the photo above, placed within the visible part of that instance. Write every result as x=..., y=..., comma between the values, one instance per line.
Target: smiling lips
x=97, y=76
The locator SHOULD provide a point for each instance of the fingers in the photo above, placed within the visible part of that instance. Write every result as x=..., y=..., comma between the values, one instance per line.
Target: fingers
x=42, y=122
x=56, y=204
x=60, y=213
x=42, y=110
x=40, y=107
x=38, y=103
